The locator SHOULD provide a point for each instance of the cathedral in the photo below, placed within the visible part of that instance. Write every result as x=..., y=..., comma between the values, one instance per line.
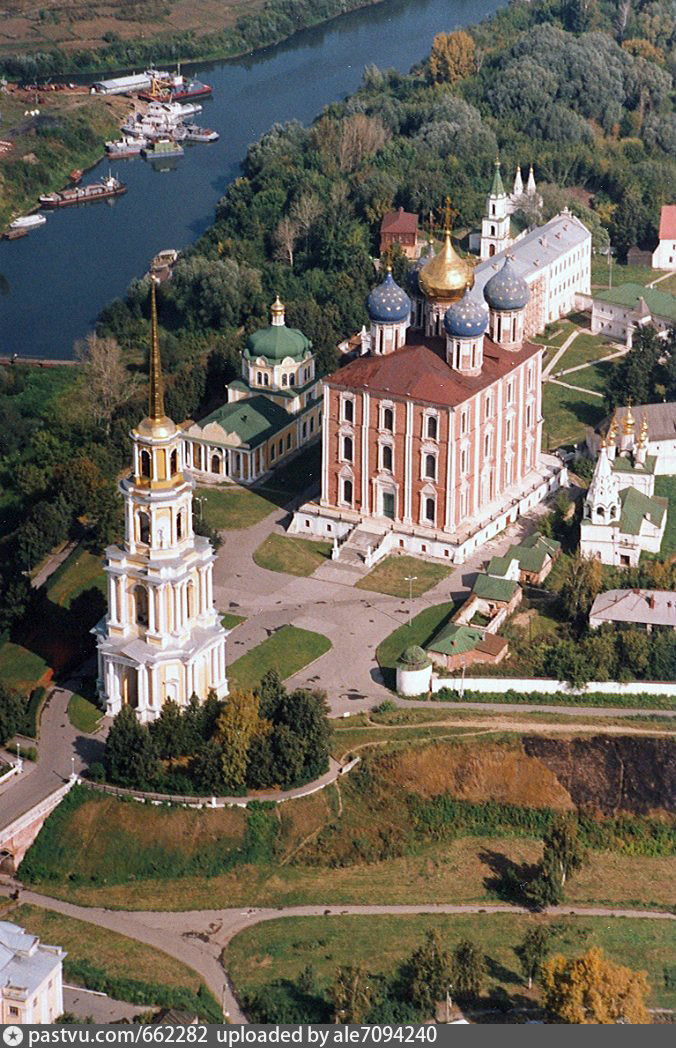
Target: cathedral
x=431, y=440
x=162, y=637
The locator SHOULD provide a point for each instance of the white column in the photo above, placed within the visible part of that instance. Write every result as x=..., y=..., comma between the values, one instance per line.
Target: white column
x=450, y=472
x=519, y=383
x=142, y=688
x=129, y=525
x=210, y=589
x=476, y=412
x=112, y=597
x=498, y=451
x=325, y=446
x=110, y=681
x=185, y=603
x=151, y=609
x=408, y=463
x=365, y=508
x=122, y=602
x=162, y=608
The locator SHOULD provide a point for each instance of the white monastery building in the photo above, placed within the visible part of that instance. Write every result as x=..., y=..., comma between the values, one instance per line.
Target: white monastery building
x=432, y=440
x=619, y=311
x=31, y=978
x=621, y=515
x=162, y=637
x=659, y=422
x=501, y=226
x=664, y=255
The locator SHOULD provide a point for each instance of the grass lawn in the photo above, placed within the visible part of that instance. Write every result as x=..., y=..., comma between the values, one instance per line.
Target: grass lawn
x=281, y=948
x=229, y=621
x=585, y=349
x=420, y=629
x=119, y=956
x=20, y=668
x=79, y=572
x=665, y=487
x=288, y=650
x=668, y=285
x=231, y=508
x=621, y=274
x=389, y=576
x=83, y=714
x=594, y=377
x=567, y=413
x=291, y=556
x=555, y=334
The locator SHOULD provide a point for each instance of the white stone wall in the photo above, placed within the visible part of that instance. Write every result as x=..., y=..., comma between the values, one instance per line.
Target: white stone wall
x=664, y=255
x=500, y=685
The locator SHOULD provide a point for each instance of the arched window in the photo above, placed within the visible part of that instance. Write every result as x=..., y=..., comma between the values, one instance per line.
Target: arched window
x=431, y=467
x=347, y=449
x=145, y=464
x=388, y=419
x=430, y=510
x=215, y=464
x=292, y=379
x=432, y=427
x=348, y=410
x=387, y=457
x=491, y=250
x=179, y=526
x=266, y=379
x=173, y=463
x=347, y=490
x=144, y=528
x=141, y=605
x=493, y=227
x=285, y=379
x=600, y=512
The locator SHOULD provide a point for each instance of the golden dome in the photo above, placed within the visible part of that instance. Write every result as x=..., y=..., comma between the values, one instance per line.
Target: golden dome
x=157, y=428
x=628, y=424
x=446, y=276
x=643, y=436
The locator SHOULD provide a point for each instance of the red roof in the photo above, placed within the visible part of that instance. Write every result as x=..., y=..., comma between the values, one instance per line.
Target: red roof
x=399, y=222
x=668, y=222
x=419, y=372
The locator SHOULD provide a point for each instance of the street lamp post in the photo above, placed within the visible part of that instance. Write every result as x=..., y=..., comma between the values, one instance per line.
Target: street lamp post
x=410, y=579
x=201, y=499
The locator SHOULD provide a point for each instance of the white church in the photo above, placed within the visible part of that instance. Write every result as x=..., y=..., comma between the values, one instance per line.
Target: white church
x=162, y=637
x=499, y=228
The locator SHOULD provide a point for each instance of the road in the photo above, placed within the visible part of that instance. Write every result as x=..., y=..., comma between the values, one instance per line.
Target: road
x=198, y=937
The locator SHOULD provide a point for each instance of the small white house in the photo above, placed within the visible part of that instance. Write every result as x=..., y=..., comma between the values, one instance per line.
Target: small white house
x=619, y=311
x=664, y=255
x=31, y=978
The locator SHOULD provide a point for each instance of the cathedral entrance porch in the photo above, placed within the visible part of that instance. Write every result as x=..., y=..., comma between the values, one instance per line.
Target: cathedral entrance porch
x=454, y=544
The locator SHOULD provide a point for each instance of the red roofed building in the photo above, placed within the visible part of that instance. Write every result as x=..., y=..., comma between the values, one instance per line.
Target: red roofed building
x=431, y=444
x=664, y=255
x=400, y=227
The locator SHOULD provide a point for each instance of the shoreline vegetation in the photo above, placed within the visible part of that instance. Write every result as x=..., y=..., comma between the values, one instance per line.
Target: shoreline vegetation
x=269, y=23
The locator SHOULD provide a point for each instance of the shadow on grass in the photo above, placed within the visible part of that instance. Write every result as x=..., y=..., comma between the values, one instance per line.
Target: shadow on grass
x=61, y=636
x=509, y=881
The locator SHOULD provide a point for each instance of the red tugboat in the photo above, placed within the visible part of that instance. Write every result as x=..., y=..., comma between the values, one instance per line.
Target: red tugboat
x=174, y=88
x=107, y=187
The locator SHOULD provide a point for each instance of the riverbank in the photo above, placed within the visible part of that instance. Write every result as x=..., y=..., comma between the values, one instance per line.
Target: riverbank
x=117, y=39
x=49, y=136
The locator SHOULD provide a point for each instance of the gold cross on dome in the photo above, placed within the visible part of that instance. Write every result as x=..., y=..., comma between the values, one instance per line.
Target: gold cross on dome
x=449, y=213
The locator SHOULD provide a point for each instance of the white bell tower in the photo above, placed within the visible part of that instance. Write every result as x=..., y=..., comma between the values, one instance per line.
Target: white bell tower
x=495, y=226
x=162, y=637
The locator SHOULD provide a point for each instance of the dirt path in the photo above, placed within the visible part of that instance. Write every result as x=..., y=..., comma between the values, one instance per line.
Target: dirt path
x=503, y=724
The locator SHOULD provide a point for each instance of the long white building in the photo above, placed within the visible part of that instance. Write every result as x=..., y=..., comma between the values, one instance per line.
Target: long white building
x=31, y=984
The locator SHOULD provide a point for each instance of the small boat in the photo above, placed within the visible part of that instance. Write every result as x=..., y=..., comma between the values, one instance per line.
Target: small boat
x=162, y=149
x=75, y=175
x=28, y=222
x=128, y=145
x=195, y=133
x=107, y=187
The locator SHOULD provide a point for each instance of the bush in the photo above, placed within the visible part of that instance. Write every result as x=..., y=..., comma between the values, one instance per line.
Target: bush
x=31, y=721
x=138, y=992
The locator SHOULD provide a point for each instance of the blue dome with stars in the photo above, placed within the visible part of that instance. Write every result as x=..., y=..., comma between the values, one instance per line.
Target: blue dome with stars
x=467, y=318
x=388, y=303
x=506, y=290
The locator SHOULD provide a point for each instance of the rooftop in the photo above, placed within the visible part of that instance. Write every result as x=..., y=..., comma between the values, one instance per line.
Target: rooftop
x=668, y=222
x=252, y=420
x=649, y=607
x=637, y=507
x=24, y=962
x=418, y=371
x=661, y=419
x=487, y=587
x=399, y=221
x=624, y=464
x=660, y=303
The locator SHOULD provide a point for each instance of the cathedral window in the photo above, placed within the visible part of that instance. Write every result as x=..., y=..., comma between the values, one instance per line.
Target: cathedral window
x=388, y=419
x=173, y=463
x=179, y=527
x=508, y=429
x=347, y=490
x=190, y=598
x=430, y=467
x=145, y=464
x=259, y=378
x=430, y=510
x=510, y=392
x=266, y=379
x=432, y=427
x=141, y=605
x=348, y=449
x=215, y=464
x=144, y=528
x=487, y=407
x=386, y=457
x=487, y=445
x=348, y=410
x=463, y=422
x=292, y=379
x=288, y=441
x=285, y=379
x=529, y=414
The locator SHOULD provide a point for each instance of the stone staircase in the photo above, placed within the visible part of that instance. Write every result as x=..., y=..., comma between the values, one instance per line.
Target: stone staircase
x=354, y=550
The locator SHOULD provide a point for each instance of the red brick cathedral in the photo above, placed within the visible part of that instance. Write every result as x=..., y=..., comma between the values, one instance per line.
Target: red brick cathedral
x=431, y=438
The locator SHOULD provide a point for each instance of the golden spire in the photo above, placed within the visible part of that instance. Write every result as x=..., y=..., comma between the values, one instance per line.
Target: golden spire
x=446, y=276
x=612, y=430
x=643, y=435
x=628, y=424
x=156, y=399
x=277, y=309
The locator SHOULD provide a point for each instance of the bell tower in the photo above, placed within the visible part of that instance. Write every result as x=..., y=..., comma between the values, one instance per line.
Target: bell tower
x=495, y=226
x=162, y=638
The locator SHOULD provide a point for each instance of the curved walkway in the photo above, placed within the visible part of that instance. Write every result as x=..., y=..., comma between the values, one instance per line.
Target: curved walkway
x=198, y=937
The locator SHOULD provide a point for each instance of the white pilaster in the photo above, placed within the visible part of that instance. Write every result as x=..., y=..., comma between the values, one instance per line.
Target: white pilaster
x=365, y=501
x=450, y=471
x=408, y=463
x=476, y=412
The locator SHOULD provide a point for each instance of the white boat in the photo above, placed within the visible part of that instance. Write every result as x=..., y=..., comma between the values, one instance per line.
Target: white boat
x=28, y=222
x=195, y=133
x=128, y=145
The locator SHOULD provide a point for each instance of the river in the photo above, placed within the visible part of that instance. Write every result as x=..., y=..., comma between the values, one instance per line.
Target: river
x=54, y=282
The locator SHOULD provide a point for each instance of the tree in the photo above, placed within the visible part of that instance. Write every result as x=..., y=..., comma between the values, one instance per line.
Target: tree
x=168, y=731
x=453, y=57
x=286, y=235
x=468, y=969
x=106, y=383
x=563, y=854
x=360, y=137
x=351, y=994
x=591, y=989
x=237, y=725
x=533, y=951
x=430, y=973
x=11, y=713
x=129, y=757
x=580, y=585
x=206, y=767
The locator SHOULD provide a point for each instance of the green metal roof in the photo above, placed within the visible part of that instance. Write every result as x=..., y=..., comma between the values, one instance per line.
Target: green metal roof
x=660, y=303
x=277, y=342
x=254, y=420
x=497, y=188
x=538, y=541
x=621, y=464
x=499, y=565
x=636, y=507
x=455, y=640
x=489, y=588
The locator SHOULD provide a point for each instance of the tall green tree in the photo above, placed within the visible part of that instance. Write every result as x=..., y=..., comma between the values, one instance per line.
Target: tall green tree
x=533, y=952
x=429, y=968
x=130, y=758
x=468, y=970
x=352, y=994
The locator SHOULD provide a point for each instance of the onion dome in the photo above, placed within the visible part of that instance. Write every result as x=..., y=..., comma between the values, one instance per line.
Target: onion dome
x=467, y=318
x=446, y=276
x=388, y=302
x=506, y=290
x=277, y=342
